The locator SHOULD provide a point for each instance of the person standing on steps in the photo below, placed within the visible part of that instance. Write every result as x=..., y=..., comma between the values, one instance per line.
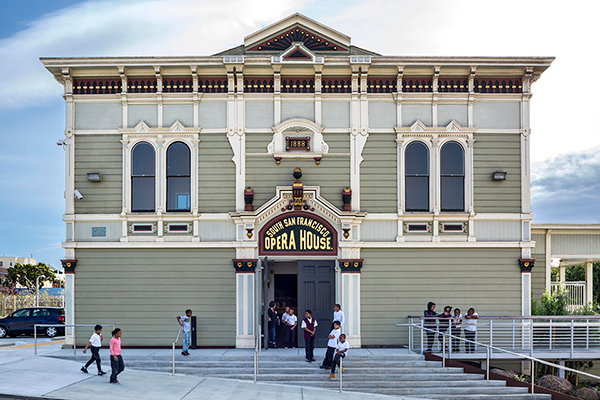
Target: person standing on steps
x=309, y=326
x=116, y=360
x=341, y=352
x=292, y=325
x=338, y=315
x=185, y=322
x=331, y=345
x=94, y=344
x=444, y=325
x=430, y=323
x=470, y=328
x=456, y=329
x=273, y=322
x=286, y=327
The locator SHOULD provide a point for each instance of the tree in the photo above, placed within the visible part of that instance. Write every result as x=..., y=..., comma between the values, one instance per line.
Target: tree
x=25, y=275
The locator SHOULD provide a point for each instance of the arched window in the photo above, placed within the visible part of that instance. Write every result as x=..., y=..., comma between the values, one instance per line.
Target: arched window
x=416, y=184
x=142, y=178
x=178, y=177
x=452, y=171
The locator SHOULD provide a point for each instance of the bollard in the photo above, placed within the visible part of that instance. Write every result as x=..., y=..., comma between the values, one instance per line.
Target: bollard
x=341, y=369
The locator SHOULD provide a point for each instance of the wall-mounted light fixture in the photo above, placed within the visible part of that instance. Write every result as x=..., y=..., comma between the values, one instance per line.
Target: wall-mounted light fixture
x=94, y=176
x=499, y=176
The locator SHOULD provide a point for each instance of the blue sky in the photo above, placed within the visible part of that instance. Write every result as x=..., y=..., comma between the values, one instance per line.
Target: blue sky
x=565, y=142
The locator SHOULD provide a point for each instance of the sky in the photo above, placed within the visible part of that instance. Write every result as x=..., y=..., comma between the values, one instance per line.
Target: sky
x=565, y=139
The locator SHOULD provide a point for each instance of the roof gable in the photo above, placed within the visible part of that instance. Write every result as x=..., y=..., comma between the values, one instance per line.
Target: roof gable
x=297, y=28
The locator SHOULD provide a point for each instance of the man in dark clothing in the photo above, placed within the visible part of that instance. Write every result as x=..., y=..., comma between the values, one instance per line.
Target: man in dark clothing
x=444, y=325
x=309, y=325
x=273, y=322
x=430, y=323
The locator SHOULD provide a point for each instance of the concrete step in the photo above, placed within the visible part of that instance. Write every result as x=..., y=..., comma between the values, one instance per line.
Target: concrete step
x=190, y=362
x=298, y=370
x=393, y=385
x=425, y=391
x=524, y=396
x=348, y=377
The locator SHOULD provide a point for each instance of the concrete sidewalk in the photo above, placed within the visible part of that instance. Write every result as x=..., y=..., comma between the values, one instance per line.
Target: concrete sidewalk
x=22, y=373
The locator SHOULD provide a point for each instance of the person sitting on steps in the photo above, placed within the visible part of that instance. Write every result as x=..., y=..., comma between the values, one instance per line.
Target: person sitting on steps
x=342, y=351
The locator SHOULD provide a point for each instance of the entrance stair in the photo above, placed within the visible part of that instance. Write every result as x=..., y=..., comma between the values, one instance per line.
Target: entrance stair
x=382, y=371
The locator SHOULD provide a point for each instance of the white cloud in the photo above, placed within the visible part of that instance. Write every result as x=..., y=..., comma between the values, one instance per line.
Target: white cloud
x=130, y=28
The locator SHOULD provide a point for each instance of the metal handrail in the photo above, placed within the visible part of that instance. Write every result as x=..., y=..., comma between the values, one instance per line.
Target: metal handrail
x=488, y=348
x=174, y=343
x=35, y=326
x=532, y=317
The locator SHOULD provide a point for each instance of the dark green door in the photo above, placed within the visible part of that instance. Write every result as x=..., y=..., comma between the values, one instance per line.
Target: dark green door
x=316, y=292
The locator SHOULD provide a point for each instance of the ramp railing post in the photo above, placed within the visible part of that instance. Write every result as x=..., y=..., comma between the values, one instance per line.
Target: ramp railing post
x=35, y=339
x=444, y=350
x=487, y=363
x=341, y=372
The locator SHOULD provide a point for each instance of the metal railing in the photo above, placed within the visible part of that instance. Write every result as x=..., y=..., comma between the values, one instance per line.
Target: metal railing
x=35, y=326
x=12, y=303
x=489, y=349
x=556, y=334
x=576, y=292
x=174, y=343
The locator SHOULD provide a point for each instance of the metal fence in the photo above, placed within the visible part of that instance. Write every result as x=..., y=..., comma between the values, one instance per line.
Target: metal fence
x=576, y=293
x=566, y=334
x=11, y=303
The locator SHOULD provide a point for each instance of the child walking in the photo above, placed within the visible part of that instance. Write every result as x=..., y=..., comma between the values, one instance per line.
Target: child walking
x=331, y=345
x=342, y=351
x=94, y=344
x=116, y=360
x=309, y=325
x=185, y=322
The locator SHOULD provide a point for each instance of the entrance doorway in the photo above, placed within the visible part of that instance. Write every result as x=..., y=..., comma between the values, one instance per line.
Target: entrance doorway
x=303, y=285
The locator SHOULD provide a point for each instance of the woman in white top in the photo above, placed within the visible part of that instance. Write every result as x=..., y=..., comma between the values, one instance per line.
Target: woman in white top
x=470, y=326
x=338, y=315
x=455, y=329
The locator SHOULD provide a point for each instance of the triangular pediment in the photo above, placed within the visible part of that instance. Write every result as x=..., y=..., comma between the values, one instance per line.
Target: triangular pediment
x=280, y=36
x=177, y=127
x=297, y=53
x=418, y=126
x=142, y=127
x=453, y=126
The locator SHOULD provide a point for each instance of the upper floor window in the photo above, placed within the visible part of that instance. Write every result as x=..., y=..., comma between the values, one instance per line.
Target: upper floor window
x=416, y=167
x=178, y=177
x=142, y=178
x=452, y=174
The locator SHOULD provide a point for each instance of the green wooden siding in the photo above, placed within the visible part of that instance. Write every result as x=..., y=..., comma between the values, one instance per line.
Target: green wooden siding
x=142, y=291
x=378, y=174
x=538, y=273
x=216, y=174
x=263, y=175
x=104, y=154
x=497, y=152
x=396, y=283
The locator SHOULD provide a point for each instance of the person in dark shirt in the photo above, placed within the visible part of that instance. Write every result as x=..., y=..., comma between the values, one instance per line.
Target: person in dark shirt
x=273, y=322
x=444, y=324
x=430, y=323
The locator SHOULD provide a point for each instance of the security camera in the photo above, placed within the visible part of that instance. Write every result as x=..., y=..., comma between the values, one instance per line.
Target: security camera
x=78, y=194
x=61, y=142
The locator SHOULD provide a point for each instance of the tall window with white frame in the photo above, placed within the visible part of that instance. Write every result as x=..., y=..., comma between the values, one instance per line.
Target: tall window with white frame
x=452, y=174
x=178, y=177
x=143, y=178
x=416, y=179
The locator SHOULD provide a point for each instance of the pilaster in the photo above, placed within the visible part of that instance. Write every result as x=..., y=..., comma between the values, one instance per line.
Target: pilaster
x=245, y=285
x=277, y=94
x=350, y=284
x=318, y=107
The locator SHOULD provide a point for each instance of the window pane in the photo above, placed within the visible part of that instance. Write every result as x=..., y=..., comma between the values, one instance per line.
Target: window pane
x=178, y=160
x=142, y=160
x=452, y=159
x=178, y=193
x=417, y=193
x=453, y=189
x=142, y=193
x=416, y=159
x=21, y=313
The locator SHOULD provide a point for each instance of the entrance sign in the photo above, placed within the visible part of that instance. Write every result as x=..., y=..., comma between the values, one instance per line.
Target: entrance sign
x=298, y=233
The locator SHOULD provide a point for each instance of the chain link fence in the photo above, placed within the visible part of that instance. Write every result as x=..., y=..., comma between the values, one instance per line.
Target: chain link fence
x=11, y=303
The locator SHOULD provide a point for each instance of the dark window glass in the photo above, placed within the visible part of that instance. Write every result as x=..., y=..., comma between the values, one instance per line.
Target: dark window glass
x=178, y=177
x=21, y=313
x=416, y=181
x=452, y=171
x=142, y=178
x=41, y=312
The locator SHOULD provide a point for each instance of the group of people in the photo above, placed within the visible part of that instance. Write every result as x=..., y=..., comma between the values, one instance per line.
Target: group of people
x=454, y=322
x=116, y=360
x=337, y=346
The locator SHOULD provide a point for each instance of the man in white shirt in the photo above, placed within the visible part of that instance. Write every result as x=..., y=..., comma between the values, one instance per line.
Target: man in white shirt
x=331, y=345
x=185, y=322
x=292, y=322
x=470, y=328
x=342, y=350
x=338, y=315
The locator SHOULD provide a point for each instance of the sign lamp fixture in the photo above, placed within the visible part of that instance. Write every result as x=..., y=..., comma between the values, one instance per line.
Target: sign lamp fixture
x=499, y=176
x=94, y=176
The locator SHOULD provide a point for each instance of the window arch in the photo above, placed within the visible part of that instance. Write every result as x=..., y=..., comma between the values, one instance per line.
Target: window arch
x=143, y=178
x=416, y=167
x=452, y=173
x=178, y=177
